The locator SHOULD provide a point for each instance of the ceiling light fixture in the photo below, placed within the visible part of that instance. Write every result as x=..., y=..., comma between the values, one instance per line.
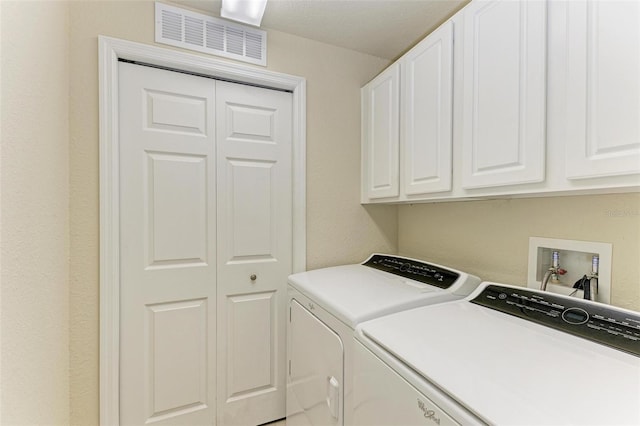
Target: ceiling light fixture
x=246, y=11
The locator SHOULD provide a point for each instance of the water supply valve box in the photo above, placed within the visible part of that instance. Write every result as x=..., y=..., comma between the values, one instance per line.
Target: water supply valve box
x=576, y=257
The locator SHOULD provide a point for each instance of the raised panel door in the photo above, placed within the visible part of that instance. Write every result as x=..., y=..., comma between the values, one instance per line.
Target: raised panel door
x=254, y=182
x=504, y=93
x=381, y=135
x=206, y=229
x=427, y=134
x=603, y=89
x=168, y=247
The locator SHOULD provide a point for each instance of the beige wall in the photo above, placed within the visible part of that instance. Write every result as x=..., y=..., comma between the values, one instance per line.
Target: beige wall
x=491, y=238
x=34, y=346
x=338, y=228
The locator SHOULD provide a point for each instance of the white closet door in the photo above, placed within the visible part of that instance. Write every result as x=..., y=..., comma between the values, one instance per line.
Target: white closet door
x=427, y=135
x=168, y=247
x=603, y=88
x=504, y=91
x=254, y=136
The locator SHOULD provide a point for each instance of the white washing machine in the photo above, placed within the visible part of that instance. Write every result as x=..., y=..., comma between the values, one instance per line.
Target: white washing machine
x=326, y=304
x=504, y=355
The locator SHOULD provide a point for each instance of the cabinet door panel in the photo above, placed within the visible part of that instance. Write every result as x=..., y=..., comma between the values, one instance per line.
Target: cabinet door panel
x=504, y=93
x=427, y=115
x=381, y=135
x=603, y=83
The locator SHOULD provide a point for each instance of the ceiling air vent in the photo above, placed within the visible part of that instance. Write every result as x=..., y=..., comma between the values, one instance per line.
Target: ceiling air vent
x=202, y=33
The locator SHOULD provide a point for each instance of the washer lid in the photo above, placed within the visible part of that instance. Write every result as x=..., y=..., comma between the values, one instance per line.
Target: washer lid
x=357, y=293
x=510, y=371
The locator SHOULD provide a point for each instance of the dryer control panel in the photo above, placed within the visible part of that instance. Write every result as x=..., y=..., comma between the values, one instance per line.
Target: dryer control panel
x=602, y=324
x=414, y=270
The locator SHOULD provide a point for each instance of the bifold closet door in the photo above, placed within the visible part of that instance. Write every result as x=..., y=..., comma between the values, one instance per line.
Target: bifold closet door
x=168, y=247
x=254, y=137
x=206, y=248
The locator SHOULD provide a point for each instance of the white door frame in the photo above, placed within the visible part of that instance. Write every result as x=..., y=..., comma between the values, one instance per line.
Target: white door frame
x=110, y=51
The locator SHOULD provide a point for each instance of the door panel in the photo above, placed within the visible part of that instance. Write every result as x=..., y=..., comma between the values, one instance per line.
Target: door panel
x=504, y=80
x=177, y=378
x=427, y=119
x=177, y=205
x=168, y=243
x=603, y=98
x=250, y=123
x=254, y=239
x=175, y=112
x=251, y=344
x=381, y=135
x=250, y=186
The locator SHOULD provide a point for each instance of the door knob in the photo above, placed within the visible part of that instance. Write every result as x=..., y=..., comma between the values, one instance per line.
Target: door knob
x=253, y=277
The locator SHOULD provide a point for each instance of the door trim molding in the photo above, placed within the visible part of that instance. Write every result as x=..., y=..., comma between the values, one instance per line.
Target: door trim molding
x=110, y=51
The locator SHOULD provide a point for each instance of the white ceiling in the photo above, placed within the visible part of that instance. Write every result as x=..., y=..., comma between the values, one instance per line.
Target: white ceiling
x=383, y=28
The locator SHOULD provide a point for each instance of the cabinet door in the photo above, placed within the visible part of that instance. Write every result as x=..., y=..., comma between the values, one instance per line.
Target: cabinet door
x=603, y=84
x=381, y=135
x=504, y=85
x=427, y=72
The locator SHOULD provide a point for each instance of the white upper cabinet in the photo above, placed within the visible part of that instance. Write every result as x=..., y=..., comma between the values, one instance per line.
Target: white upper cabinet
x=381, y=135
x=521, y=98
x=603, y=89
x=504, y=93
x=426, y=114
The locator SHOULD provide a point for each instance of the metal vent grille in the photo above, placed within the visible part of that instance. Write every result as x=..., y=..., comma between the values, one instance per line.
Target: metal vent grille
x=171, y=25
x=202, y=33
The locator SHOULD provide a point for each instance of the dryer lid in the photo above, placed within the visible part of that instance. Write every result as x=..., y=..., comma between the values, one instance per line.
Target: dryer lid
x=357, y=293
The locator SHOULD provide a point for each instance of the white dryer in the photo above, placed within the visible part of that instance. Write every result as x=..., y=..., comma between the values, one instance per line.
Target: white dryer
x=506, y=356
x=325, y=305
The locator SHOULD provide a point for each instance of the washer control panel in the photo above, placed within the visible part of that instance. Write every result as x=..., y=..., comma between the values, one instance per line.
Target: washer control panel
x=602, y=324
x=414, y=270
